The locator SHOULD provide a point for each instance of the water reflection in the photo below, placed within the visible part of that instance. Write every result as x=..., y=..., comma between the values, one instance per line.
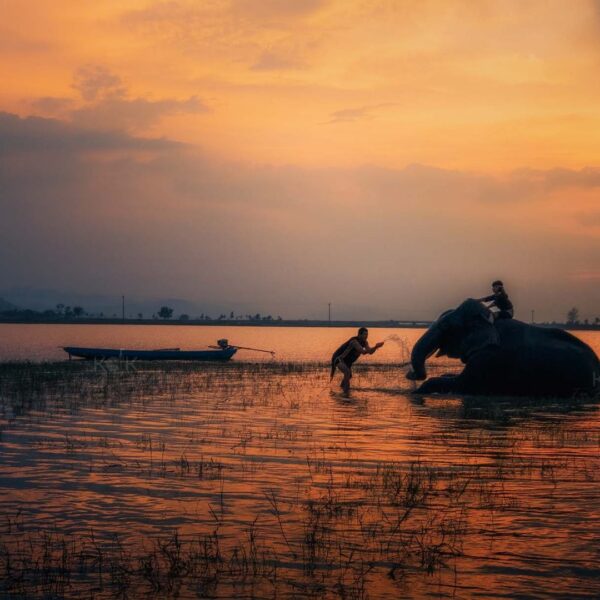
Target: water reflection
x=44, y=342
x=277, y=485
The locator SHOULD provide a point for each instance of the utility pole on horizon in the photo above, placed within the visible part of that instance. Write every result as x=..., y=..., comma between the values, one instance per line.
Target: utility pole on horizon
x=532, y=315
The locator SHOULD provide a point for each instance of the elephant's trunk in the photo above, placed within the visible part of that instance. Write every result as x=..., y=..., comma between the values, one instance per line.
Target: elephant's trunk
x=422, y=350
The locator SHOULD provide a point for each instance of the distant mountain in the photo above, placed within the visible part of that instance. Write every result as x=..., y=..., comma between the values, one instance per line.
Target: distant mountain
x=5, y=305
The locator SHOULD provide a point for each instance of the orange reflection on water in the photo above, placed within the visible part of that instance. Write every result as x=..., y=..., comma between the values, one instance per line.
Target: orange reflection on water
x=44, y=342
x=378, y=494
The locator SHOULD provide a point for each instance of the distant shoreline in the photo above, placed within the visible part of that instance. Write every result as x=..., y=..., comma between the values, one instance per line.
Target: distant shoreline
x=222, y=323
x=390, y=324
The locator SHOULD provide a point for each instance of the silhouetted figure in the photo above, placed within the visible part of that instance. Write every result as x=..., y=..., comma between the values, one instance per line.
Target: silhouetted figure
x=347, y=354
x=499, y=299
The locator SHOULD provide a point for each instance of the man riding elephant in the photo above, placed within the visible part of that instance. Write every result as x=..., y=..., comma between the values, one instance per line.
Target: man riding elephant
x=504, y=357
x=499, y=300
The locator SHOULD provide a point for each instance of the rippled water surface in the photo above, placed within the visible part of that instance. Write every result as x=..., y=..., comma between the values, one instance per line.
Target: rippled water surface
x=261, y=480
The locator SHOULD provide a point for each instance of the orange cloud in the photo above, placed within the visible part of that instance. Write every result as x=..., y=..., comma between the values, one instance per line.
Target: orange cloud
x=483, y=86
x=106, y=103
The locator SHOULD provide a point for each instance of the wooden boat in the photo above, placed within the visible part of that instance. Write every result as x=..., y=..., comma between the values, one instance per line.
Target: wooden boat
x=222, y=354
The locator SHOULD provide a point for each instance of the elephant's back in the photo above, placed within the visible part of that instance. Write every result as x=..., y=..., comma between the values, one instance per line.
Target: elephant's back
x=516, y=333
x=557, y=360
x=564, y=368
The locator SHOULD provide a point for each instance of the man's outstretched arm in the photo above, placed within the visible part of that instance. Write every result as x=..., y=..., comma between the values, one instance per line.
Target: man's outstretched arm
x=371, y=350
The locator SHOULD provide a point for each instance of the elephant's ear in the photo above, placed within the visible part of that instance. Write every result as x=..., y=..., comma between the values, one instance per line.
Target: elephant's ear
x=450, y=320
x=477, y=325
x=479, y=333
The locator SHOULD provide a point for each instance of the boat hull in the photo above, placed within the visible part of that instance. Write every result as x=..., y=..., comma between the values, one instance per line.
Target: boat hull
x=106, y=353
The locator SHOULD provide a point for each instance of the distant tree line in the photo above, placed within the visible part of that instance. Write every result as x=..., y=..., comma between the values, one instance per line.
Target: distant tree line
x=65, y=312
x=166, y=312
x=573, y=318
x=61, y=311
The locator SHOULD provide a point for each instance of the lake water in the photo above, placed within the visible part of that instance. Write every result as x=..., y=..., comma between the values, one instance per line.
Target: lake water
x=261, y=481
x=44, y=342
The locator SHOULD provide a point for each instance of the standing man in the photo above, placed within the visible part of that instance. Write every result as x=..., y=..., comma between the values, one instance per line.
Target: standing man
x=500, y=300
x=347, y=354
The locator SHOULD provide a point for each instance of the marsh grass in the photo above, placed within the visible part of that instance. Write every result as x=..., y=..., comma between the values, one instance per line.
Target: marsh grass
x=340, y=540
x=337, y=519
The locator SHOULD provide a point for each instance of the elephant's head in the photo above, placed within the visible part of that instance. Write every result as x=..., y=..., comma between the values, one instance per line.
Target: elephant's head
x=457, y=333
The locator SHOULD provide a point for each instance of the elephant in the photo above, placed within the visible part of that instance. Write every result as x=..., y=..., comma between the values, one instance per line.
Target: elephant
x=504, y=357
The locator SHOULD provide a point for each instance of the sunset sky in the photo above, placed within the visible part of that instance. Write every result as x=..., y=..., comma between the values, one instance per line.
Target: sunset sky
x=389, y=157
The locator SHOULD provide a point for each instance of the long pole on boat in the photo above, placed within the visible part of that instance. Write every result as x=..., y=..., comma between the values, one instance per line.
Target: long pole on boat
x=255, y=349
x=271, y=352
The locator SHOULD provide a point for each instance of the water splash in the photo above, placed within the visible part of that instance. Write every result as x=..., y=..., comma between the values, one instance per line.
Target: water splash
x=402, y=343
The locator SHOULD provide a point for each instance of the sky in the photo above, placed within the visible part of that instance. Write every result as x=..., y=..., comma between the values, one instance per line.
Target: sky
x=389, y=157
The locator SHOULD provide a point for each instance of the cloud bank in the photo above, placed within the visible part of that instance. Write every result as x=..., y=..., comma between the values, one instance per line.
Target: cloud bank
x=110, y=212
